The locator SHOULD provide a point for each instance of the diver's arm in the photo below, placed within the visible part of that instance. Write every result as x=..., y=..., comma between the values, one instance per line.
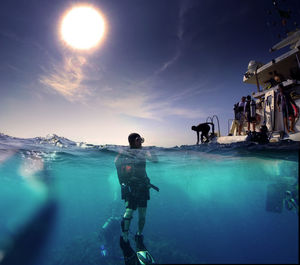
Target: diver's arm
x=117, y=158
x=151, y=156
x=117, y=161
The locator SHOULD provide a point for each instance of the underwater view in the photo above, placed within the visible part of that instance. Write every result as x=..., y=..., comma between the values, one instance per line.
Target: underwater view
x=213, y=87
x=216, y=203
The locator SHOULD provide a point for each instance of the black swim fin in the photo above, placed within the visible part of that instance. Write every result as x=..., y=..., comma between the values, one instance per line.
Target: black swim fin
x=130, y=256
x=139, y=240
x=142, y=253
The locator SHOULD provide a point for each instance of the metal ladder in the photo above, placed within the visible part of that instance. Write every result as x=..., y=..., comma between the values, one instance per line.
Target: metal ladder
x=211, y=119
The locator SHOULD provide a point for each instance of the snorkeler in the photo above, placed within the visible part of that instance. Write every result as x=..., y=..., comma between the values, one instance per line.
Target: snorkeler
x=135, y=186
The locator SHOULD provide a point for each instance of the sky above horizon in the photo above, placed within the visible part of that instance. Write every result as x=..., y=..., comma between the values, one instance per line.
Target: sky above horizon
x=162, y=67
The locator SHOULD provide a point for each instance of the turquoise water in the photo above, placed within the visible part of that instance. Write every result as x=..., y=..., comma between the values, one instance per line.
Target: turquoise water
x=212, y=207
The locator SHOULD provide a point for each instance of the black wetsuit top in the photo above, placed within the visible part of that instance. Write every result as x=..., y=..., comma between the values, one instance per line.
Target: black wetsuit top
x=203, y=127
x=131, y=168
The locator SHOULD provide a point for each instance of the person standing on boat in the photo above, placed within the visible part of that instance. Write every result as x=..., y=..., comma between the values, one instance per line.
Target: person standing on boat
x=284, y=105
x=204, y=129
x=250, y=112
x=241, y=114
x=278, y=78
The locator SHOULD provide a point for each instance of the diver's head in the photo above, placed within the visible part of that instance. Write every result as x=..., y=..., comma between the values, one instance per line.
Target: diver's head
x=194, y=128
x=277, y=78
x=135, y=140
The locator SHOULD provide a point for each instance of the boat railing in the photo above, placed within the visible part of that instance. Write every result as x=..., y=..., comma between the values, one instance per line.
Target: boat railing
x=211, y=119
x=215, y=116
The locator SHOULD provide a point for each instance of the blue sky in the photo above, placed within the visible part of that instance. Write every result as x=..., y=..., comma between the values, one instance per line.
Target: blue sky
x=162, y=67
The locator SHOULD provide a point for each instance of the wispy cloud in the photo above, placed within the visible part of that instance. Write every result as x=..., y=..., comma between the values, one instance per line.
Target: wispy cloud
x=168, y=63
x=139, y=103
x=67, y=78
x=184, y=8
x=130, y=105
x=180, y=31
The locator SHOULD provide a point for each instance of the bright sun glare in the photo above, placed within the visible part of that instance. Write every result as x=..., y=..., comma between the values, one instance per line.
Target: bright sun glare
x=82, y=27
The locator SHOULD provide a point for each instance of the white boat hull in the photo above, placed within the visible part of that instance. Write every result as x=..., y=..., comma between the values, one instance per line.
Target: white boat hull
x=231, y=139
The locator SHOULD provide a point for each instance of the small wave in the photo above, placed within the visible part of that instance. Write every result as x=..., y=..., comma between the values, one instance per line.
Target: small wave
x=61, y=145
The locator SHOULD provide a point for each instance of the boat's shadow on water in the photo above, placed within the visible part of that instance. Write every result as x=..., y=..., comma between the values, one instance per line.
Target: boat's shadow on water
x=27, y=246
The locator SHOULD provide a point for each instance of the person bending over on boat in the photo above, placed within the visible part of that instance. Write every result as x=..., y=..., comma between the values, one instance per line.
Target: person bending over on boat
x=241, y=114
x=250, y=112
x=135, y=185
x=204, y=129
x=284, y=104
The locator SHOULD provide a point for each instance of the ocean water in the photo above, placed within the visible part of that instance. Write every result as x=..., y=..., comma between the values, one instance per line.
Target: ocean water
x=216, y=204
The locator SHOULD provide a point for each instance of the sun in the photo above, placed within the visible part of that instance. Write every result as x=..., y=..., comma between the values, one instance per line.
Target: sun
x=82, y=27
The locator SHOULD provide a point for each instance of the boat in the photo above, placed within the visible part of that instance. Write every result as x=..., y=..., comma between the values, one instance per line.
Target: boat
x=287, y=66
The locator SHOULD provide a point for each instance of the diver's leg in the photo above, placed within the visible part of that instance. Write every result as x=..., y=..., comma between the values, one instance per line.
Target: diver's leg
x=142, y=219
x=206, y=137
x=139, y=238
x=253, y=126
x=197, y=137
x=286, y=124
x=292, y=123
x=201, y=137
x=125, y=224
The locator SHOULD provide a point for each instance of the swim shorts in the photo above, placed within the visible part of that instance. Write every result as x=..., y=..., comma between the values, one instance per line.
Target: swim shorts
x=249, y=118
x=240, y=117
x=137, y=197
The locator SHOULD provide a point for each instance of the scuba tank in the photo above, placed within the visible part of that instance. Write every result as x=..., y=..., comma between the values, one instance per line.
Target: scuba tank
x=252, y=109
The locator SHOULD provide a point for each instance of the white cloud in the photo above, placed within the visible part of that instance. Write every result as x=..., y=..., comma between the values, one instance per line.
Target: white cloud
x=147, y=105
x=67, y=78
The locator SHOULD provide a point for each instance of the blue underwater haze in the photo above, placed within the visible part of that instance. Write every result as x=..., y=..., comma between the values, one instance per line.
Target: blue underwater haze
x=216, y=204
